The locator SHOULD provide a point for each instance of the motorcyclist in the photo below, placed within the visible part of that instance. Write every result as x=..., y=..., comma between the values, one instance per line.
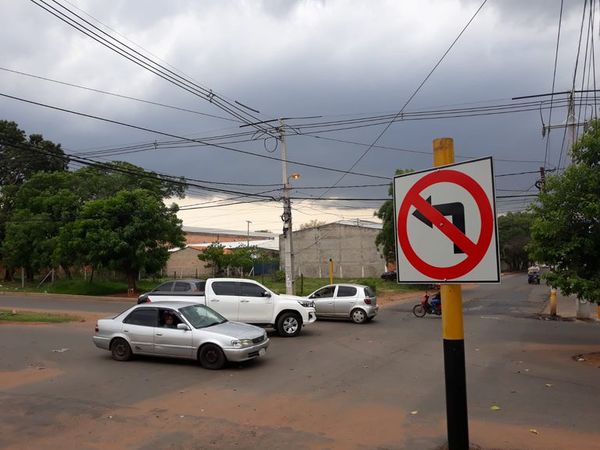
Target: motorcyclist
x=435, y=300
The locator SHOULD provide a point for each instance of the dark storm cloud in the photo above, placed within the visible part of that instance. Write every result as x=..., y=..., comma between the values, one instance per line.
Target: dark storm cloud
x=296, y=58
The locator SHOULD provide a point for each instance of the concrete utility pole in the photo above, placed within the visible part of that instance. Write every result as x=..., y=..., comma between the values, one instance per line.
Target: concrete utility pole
x=286, y=217
x=248, y=222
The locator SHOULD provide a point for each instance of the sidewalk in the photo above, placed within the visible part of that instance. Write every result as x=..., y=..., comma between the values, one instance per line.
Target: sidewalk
x=566, y=306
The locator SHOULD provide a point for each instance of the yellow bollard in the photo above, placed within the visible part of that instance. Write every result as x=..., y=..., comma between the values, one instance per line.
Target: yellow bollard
x=553, y=302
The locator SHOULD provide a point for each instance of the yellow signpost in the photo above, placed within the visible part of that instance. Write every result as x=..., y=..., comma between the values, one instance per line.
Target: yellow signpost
x=454, y=337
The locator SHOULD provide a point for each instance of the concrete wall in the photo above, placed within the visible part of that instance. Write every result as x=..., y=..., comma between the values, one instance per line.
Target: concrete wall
x=184, y=263
x=352, y=249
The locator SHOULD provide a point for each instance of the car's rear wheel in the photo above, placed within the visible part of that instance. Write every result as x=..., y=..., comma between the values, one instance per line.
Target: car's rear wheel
x=358, y=316
x=120, y=350
x=211, y=357
x=289, y=324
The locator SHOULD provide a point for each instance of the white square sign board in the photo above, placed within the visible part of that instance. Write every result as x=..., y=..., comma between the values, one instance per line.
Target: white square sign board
x=445, y=224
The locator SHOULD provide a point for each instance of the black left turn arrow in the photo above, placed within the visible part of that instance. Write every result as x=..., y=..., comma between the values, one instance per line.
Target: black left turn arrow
x=456, y=210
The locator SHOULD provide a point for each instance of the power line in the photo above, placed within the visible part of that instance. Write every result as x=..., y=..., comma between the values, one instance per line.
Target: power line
x=113, y=94
x=149, y=130
x=412, y=96
x=421, y=152
x=82, y=25
x=553, y=81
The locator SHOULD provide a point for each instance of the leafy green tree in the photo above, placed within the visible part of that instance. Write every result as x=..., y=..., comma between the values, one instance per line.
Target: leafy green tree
x=42, y=205
x=20, y=158
x=385, y=239
x=514, y=231
x=28, y=242
x=129, y=232
x=109, y=178
x=241, y=257
x=214, y=256
x=566, y=226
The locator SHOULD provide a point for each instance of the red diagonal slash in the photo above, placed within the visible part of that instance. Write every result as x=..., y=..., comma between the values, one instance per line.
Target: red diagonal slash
x=444, y=225
x=474, y=252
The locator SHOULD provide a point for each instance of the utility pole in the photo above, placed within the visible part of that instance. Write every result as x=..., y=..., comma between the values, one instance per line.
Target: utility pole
x=286, y=217
x=248, y=222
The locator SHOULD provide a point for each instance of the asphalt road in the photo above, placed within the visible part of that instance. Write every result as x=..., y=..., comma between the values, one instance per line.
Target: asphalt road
x=338, y=385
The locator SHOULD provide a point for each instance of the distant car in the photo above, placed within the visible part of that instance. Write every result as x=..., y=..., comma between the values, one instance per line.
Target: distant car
x=349, y=301
x=187, y=286
x=389, y=276
x=180, y=330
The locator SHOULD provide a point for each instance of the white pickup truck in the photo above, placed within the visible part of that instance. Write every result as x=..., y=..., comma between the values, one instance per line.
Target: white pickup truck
x=246, y=301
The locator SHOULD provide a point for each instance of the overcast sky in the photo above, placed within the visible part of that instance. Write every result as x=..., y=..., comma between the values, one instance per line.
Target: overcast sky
x=334, y=59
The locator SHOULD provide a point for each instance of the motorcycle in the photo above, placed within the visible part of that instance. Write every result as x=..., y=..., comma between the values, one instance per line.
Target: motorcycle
x=533, y=278
x=426, y=307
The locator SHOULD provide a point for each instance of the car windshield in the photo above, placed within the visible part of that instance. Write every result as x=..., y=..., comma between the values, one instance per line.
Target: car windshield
x=201, y=316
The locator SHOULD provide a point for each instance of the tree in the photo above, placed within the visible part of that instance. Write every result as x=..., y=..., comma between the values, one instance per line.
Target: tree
x=241, y=257
x=42, y=205
x=385, y=239
x=20, y=158
x=514, y=231
x=314, y=223
x=129, y=231
x=214, y=256
x=566, y=221
x=104, y=180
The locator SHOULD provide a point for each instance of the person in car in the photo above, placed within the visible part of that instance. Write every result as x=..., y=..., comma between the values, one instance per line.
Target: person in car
x=169, y=321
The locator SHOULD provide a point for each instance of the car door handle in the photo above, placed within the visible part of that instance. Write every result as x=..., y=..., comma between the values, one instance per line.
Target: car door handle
x=125, y=331
x=244, y=301
x=215, y=300
x=159, y=334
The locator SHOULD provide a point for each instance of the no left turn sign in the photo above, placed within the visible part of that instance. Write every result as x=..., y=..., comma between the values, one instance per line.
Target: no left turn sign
x=446, y=224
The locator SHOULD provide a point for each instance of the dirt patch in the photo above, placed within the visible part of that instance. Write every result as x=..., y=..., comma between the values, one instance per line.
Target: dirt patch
x=17, y=378
x=492, y=436
x=387, y=298
x=591, y=359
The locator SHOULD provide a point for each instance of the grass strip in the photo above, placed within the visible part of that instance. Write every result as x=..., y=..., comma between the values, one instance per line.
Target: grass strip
x=7, y=315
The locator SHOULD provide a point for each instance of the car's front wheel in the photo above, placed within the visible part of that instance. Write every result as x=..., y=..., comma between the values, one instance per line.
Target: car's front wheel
x=211, y=357
x=419, y=310
x=289, y=324
x=120, y=350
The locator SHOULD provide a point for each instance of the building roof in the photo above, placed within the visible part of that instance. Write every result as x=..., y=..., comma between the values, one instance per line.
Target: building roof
x=360, y=223
x=349, y=223
x=203, y=230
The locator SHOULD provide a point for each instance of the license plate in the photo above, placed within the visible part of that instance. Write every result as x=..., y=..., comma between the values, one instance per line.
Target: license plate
x=262, y=352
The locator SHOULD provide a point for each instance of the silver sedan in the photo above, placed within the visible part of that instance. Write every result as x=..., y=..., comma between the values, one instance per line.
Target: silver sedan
x=180, y=330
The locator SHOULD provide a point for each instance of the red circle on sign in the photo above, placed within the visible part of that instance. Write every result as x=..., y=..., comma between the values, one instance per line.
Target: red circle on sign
x=479, y=249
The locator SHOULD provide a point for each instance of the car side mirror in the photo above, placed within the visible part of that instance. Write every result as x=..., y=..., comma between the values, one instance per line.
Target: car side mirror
x=312, y=296
x=266, y=294
x=182, y=326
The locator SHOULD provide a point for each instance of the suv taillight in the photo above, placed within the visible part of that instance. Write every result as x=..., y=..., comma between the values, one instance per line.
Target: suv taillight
x=368, y=301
